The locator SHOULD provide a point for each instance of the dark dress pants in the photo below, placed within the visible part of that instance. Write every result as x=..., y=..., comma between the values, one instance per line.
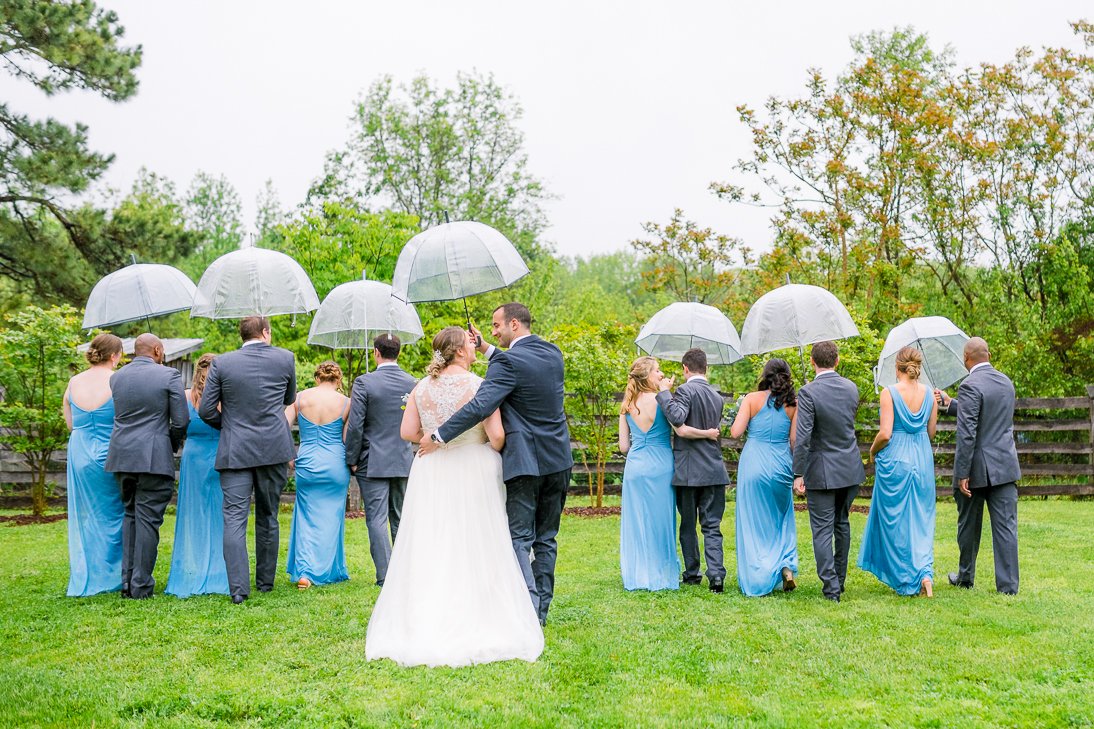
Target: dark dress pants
x=396, y=494
x=1002, y=504
x=376, y=502
x=534, y=506
x=707, y=505
x=145, y=497
x=266, y=484
x=828, y=510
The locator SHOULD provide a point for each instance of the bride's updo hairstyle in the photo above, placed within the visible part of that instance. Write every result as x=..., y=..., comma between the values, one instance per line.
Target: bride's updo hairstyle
x=909, y=360
x=102, y=348
x=446, y=344
x=329, y=371
x=777, y=380
x=638, y=381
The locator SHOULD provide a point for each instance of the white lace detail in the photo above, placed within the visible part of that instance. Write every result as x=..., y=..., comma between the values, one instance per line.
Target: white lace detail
x=439, y=399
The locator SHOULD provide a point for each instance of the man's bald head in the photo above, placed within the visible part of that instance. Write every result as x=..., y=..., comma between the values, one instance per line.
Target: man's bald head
x=148, y=345
x=976, y=351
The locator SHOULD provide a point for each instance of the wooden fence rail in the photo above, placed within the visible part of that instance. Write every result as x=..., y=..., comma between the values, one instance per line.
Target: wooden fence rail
x=1054, y=437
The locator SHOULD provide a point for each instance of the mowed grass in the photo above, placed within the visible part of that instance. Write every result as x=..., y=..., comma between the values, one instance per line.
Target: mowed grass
x=613, y=658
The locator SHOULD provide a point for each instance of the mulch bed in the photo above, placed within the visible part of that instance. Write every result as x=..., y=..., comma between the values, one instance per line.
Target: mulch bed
x=854, y=507
x=592, y=512
x=25, y=519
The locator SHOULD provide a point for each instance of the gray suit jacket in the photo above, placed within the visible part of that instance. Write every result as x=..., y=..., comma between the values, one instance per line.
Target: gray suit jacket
x=150, y=418
x=252, y=385
x=696, y=462
x=377, y=403
x=826, y=451
x=984, y=407
x=526, y=382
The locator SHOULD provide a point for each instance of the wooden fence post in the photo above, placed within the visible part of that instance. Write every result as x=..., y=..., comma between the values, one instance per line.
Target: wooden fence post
x=1090, y=394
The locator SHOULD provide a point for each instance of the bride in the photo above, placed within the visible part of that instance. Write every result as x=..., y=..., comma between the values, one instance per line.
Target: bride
x=454, y=593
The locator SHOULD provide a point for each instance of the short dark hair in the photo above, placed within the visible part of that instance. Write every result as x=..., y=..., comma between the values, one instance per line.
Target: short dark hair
x=825, y=354
x=695, y=360
x=388, y=345
x=520, y=312
x=251, y=327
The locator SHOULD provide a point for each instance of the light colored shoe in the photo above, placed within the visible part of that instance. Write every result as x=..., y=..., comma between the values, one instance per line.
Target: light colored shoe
x=788, y=580
x=303, y=584
x=926, y=588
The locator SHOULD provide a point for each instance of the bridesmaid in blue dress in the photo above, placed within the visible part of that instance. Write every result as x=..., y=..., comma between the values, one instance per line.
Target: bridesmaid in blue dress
x=316, y=543
x=767, y=538
x=898, y=543
x=94, y=499
x=647, y=532
x=197, y=558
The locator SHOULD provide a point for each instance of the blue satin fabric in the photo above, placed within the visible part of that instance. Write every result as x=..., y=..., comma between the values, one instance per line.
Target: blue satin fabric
x=197, y=559
x=316, y=543
x=898, y=543
x=647, y=532
x=767, y=538
x=95, y=508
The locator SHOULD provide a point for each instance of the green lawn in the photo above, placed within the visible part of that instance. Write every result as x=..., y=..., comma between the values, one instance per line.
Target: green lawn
x=613, y=658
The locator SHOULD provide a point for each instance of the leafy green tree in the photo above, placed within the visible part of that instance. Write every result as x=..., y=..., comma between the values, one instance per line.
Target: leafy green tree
x=268, y=211
x=213, y=211
x=430, y=151
x=37, y=356
x=55, y=47
x=597, y=359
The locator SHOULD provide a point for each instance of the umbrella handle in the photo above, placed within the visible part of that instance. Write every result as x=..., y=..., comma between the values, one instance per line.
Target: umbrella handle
x=467, y=313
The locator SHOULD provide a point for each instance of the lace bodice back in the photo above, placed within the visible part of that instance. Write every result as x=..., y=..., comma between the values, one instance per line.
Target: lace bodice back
x=439, y=399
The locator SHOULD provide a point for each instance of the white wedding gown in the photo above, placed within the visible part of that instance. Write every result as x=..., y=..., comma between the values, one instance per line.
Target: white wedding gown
x=454, y=594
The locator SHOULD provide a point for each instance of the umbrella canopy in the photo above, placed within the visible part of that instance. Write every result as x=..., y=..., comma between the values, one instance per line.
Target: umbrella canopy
x=354, y=313
x=253, y=282
x=795, y=315
x=680, y=326
x=941, y=343
x=455, y=260
x=139, y=291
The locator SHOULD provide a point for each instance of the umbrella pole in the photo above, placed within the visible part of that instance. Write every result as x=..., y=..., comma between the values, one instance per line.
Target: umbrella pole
x=801, y=356
x=467, y=313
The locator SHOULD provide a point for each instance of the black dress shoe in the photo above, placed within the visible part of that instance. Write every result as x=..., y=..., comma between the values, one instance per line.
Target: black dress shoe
x=684, y=579
x=952, y=577
x=834, y=598
x=717, y=585
x=265, y=589
x=237, y=599
x=543, y=622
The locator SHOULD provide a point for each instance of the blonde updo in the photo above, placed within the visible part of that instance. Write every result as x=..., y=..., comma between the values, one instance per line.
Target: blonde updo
x=201, y=373
x=446, y=344
x=909, y=360
x=102, y=348
x=329, y=371
x=638, y=381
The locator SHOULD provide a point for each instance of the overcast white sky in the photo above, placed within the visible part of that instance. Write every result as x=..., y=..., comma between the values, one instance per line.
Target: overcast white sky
x=629, y=106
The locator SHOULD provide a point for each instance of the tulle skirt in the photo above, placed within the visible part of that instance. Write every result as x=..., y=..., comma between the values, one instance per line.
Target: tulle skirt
x=454, y=593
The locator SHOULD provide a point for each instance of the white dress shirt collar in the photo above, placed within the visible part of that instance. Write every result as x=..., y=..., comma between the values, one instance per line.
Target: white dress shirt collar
x=826, y=372
x=249, y=342
x=978, y=365
x=387, y=364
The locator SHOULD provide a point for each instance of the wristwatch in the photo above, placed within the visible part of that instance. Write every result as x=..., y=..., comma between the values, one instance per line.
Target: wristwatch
x=433, y=437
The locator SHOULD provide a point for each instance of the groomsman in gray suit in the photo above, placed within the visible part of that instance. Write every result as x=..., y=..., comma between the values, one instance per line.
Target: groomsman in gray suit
x=150, y=420
x=375, y=453
x=827, y=464
x=985, y=468
x=245, y=397
x=699, y=473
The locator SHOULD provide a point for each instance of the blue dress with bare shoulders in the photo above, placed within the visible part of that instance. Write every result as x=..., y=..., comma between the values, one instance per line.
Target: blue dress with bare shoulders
x=316, y=548
x=94, y=505
x=898, y=543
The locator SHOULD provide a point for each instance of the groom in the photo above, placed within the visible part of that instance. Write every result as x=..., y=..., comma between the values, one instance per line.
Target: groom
x=526, y=383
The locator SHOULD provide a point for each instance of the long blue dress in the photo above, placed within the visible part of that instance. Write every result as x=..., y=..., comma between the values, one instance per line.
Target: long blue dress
x=767, y=539
x=197, y=559
x=898, y=543
x=95, y=508
x=316, y=543
x=647, y=532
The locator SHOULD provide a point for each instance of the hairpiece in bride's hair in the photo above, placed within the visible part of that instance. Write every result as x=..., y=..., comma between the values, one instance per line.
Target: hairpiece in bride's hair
x=438, y=358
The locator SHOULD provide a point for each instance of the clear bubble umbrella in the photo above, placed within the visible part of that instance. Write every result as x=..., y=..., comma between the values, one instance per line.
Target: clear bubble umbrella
x=456, y=260
x=941, y=343
x=139, y=291
x=253, y=282
x=681, y=326
x=354, y=313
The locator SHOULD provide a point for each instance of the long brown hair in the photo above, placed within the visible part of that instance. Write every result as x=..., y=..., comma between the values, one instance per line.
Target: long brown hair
x=446, y=344
x=638, y=381
x=201, y=372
